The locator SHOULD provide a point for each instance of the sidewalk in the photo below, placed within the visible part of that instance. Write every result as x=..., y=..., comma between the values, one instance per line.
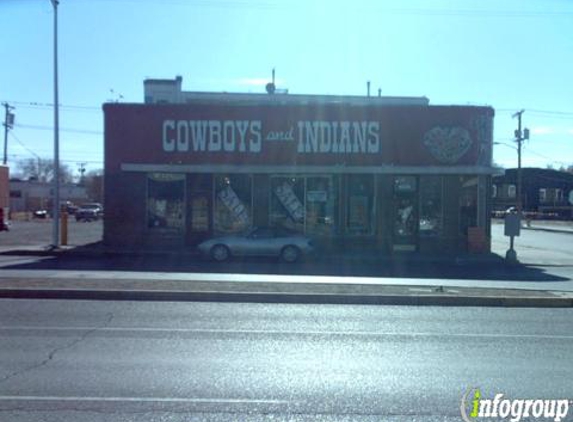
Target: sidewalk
x=405, y=278
x=265, y=289
x=335, y=255
x=557, y=228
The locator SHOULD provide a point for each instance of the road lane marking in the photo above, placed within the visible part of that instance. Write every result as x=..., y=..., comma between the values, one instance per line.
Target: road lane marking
x=143, y=399
x=278, y=332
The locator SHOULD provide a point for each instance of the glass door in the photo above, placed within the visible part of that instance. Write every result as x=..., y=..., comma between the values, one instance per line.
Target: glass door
x=405, y=214
x=320, y=205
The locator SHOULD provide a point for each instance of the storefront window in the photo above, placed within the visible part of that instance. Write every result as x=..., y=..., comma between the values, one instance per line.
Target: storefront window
x=320, y=205
x=468, y=203
x=360, y=206
x=288, y=203
x=430, y=205
x=199, y=213
x=233, y=203
x=405, y=205
x=404, y=184
x=405, y=218
x=165, y=202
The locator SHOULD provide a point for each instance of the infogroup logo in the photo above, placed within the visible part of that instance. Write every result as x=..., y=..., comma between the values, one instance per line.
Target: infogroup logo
x=474, y=406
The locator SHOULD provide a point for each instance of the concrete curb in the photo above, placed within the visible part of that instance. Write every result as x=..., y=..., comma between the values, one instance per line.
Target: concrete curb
x=547, y=229
x=290, y=298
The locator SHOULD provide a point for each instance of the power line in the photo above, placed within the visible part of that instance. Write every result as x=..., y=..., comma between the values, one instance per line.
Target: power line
x=40, y=127
x=51, y=105
x=20, y=156
x=529, y=151
x=538, y=111
x=37, y=104
x=557, y=113
x=24, y=146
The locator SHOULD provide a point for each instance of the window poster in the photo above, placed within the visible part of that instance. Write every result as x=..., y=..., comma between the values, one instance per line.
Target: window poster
x=232, y=202
x=290, y=201
x=358, y=216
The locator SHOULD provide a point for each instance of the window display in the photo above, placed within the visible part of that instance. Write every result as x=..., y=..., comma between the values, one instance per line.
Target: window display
x=404, y=184
x=468, y=203
x=430, y=205
x=288, y=203
x=233, y=203
x=165, y=202
x=305, y=204
x=200, y=214
x=405, y=204
x=360, y=207
x=320, y=206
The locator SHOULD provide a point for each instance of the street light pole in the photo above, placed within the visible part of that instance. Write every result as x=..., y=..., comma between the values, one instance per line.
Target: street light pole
x=8, y=124
x=519, y=139
x=56, y=196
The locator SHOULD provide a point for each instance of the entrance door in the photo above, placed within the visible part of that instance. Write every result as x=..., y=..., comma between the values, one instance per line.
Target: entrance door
x=199, y=224
x=405, y=214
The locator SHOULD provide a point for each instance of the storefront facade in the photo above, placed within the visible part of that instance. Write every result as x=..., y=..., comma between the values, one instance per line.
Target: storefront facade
x=397, y=178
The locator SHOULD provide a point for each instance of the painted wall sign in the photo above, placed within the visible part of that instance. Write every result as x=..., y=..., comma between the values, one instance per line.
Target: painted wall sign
x=291, y=135
x=447, y=144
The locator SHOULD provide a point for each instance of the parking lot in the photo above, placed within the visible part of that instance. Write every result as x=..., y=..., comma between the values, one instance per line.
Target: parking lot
x=38, y=233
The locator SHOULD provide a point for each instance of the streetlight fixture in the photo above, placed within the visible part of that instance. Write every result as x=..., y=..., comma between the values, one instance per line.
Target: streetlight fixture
x=56, y=196
x=520, y=136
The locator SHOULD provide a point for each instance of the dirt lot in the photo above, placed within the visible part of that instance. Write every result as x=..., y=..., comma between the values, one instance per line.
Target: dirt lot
x=39, y=233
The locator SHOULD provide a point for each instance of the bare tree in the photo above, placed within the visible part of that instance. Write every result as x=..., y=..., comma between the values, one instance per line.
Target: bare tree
x=42, y=170
x=93, y=181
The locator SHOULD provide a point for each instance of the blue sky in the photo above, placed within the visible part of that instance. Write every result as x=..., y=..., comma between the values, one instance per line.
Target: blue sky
x=511, y=54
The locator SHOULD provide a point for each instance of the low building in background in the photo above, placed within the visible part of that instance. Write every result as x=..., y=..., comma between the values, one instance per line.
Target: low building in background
x=546, y=192
x=391, y=173
x=29, y=196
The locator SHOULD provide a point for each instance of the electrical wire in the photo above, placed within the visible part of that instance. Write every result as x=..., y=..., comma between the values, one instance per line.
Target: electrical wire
x=40, y=127
x=23, y=146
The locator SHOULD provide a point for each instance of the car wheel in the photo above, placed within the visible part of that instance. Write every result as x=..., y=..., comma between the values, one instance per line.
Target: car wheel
x=220, y=253
x=290, y=253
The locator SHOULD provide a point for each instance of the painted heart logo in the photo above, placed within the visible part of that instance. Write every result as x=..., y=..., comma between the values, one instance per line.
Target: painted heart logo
x=447, y=144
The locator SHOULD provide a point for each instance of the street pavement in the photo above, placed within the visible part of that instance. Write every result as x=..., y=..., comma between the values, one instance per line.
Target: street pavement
x=161, y=361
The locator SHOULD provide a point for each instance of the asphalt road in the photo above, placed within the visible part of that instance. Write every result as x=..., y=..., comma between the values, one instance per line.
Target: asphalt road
x=140, y=361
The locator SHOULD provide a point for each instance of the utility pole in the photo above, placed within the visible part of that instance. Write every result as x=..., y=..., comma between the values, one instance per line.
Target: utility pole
x=82, y=170
x=56, y=197
x=8, y=124
x=520, y=136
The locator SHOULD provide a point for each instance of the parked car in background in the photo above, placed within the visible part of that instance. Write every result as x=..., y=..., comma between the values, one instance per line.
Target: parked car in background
x=40, y=214
x=260, y=241
x=69, y=207
x=89, y=212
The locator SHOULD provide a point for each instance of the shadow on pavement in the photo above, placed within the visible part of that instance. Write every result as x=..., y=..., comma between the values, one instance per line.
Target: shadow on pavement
x=493, y=267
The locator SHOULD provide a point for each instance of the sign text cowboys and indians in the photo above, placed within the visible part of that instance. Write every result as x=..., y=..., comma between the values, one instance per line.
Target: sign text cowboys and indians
x=246, y=136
